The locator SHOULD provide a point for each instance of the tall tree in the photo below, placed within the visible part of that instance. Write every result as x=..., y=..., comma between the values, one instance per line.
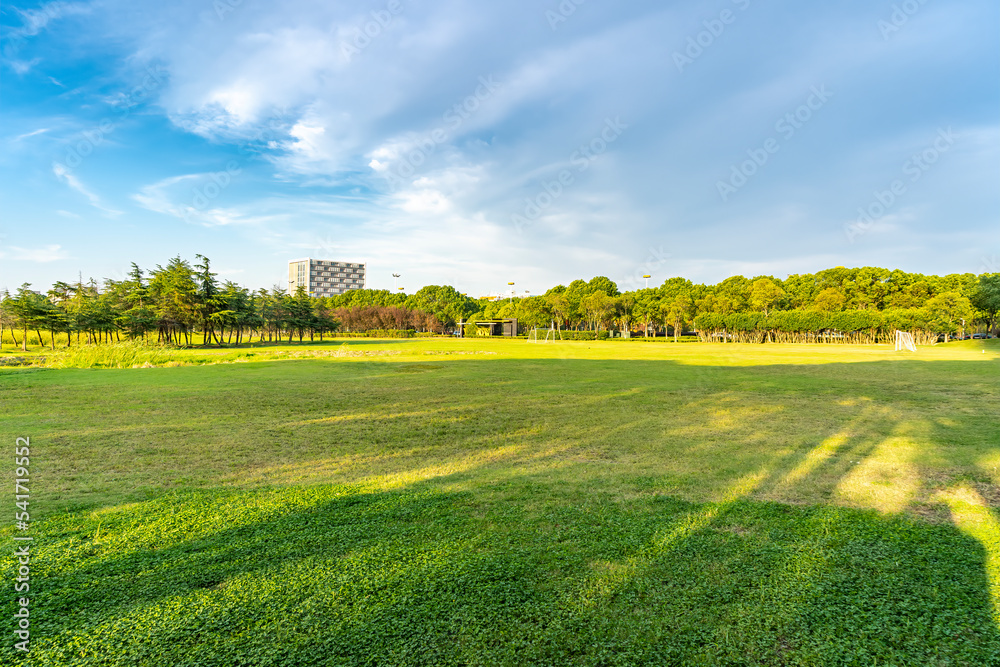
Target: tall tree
x=624, y=312
x=208, y=290
x=602, y=284
x=677, y=312
x=558, y=306
x=765, y=294
x=175, y=294
x=830, y=299
x=986, y=298
x=949, y=310
x=599, y=308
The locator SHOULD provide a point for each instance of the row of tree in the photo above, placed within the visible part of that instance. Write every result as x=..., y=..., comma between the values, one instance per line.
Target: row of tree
x=812, y=326
x=182, y=304
x=185, y=303
x=925, y=305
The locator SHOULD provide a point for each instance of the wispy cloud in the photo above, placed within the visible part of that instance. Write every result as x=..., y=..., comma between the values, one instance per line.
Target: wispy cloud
x=417, y=152
x=31, y=134
x=48, y=253
x=35, y=20
x=23, y=66
x=74, y=183
x=192, y=205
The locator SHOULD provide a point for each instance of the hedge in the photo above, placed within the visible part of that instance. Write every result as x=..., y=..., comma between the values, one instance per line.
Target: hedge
x=390, y=333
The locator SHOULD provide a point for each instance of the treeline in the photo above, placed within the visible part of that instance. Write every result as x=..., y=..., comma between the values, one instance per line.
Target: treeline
x=183, y=304
x=836, y=305
x=810, y=326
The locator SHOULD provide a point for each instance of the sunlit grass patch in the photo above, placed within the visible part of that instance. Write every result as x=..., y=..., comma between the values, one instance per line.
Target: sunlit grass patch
x=349, y=575
x=557, y=506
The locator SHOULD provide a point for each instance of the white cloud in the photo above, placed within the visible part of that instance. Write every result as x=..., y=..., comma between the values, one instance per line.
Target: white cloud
x=335, y=129
x=35, y=20
x=23, y=66
x=193, y=206
x=31, y=134
x=73, y=182
x=48, y=253
x=154, y=197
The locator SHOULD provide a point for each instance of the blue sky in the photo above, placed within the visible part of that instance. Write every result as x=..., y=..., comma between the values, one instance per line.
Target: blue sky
x=479, y=143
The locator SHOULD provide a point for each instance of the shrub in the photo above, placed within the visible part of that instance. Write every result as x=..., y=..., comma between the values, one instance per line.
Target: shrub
x=578, y=335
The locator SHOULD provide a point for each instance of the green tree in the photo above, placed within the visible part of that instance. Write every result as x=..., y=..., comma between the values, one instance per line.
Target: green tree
x=677, y=312
x=174, y=294
x=765, y=294
x=986, y=298
x=598, y=307
x=736, y=292
x=558, y=305
x=208, y=303
x=575, y=292
x=446, y=303
x=830, y=299
x=602, y=284
x=299, y=313
x=534, y=312
x=30, y=311
x=624, y=312
x=647, y=307
x=674, y=287
x=948, y=310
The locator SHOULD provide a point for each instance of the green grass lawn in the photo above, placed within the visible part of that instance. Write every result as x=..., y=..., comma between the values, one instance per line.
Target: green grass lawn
x=498, y=502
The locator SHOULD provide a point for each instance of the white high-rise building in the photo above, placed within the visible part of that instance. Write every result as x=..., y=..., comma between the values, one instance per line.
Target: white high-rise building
x=324, y=277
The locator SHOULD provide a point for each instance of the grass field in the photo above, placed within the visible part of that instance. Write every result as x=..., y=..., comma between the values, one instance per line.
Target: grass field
x=504, y=503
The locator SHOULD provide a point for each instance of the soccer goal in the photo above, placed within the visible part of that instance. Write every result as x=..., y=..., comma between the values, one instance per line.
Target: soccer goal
x=904, y=341
x=550, y=335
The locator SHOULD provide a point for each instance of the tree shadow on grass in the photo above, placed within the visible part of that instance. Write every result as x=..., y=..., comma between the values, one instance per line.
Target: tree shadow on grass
x=348, y=576
x=553, y=570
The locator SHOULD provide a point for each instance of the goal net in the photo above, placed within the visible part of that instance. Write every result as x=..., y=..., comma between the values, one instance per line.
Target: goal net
x=904, y=341
x=550, y=335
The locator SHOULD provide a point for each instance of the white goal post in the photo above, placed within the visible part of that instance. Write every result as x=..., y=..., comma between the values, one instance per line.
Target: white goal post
x=904, y=341
x=550, y=335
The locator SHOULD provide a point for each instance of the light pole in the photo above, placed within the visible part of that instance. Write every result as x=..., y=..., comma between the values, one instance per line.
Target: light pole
x=394, y=276
x=647, y=281
x=511, y=292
